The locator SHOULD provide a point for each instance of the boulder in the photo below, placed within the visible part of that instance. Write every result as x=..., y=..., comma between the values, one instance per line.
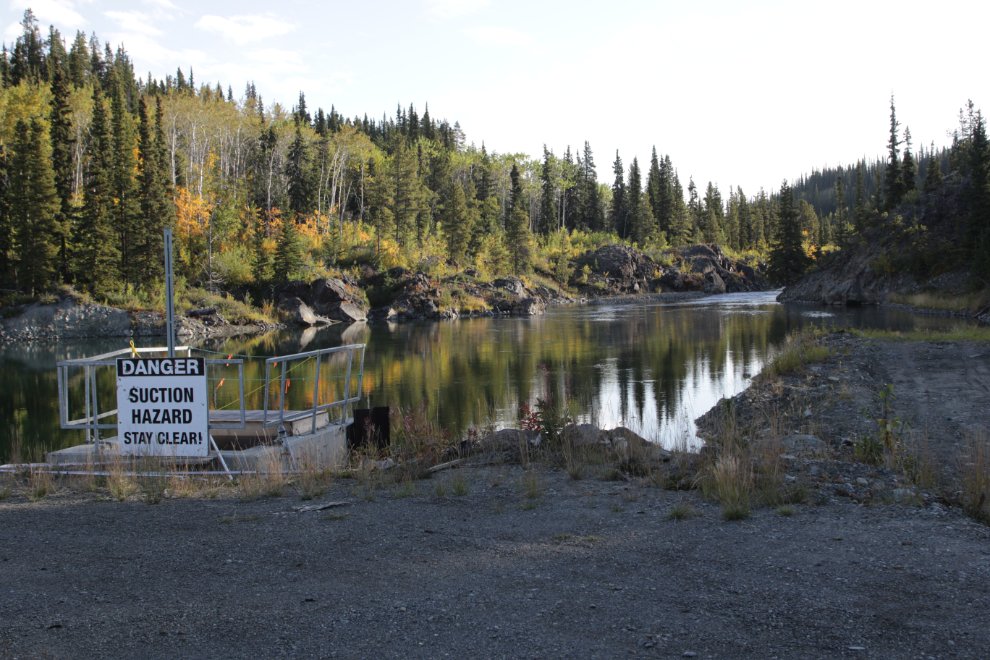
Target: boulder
x=512, y=285
x=623, y=262
x=325, y=292
x=529, y=307
x=299, y=312
x=630, y=445
x=347, y=312
x=580, y=435
x=714, y=284
x=509, y=440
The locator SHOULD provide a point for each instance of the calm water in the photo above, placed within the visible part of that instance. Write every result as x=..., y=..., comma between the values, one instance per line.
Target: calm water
x=651, y=367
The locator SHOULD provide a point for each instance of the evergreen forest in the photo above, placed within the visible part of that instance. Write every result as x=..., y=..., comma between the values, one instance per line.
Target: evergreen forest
x=95, y=160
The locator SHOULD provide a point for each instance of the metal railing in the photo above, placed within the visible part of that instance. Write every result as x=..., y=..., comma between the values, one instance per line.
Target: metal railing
x=317, y=407
x=90, y=421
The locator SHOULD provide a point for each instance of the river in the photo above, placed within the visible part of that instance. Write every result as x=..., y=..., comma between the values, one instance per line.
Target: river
x=649, y=366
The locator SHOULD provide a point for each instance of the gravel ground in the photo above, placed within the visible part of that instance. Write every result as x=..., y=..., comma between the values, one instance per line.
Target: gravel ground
x=593, y=570
x=589, y=569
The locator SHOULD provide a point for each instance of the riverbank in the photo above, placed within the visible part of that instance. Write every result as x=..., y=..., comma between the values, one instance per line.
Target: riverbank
x=854, y=559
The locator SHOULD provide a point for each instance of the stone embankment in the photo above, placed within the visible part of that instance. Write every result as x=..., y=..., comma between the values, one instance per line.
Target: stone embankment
x=68, y=319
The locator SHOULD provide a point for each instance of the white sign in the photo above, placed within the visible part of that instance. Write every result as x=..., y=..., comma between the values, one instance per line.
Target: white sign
x=162, y=407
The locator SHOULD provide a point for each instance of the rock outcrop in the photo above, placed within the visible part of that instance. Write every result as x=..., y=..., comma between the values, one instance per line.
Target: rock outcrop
x=849, y=279
x=323, y=301
x=617, y=269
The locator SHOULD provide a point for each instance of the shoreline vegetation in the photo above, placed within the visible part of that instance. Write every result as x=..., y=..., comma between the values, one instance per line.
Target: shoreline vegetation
x=778, y=444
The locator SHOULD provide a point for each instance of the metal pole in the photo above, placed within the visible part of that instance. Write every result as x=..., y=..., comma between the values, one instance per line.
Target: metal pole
x=169, y=294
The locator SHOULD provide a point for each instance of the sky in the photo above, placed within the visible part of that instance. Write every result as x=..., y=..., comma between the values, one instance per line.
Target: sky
x=743, y=93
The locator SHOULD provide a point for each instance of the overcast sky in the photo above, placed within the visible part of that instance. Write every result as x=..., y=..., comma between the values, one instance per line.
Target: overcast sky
x=740, y=93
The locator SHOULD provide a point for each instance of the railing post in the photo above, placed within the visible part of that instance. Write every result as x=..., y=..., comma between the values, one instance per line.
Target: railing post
x=316, y=388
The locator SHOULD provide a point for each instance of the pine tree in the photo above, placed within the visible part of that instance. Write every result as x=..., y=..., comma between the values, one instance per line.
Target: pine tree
x=860, y=211
x=126, y=206
x=299, y=169
x=933, y=175
x=95, y=259
x=288, y=253
x=154, y=202
x=978, y=192
x=548, y=206
x=640, y=215
x=60, y=135
x=517, y=234
x=909, y=171
x=620, y=209
x=33, y=208
x=788, y=260
x=408, y=198
x=841, y=230
x=6, y=230
x=456, y=222
x=893, y=180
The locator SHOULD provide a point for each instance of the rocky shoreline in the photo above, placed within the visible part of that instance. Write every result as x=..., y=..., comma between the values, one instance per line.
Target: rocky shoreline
x=615, y=273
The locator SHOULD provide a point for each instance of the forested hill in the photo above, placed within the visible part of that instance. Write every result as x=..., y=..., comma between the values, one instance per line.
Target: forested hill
x=95, y=160
x=922, y=237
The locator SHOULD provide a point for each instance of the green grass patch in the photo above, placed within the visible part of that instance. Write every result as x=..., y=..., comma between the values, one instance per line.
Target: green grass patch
x=957, y=333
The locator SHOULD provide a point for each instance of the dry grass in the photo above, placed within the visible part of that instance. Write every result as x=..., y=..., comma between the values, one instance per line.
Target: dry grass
x=460, y=484
x=40, y=483
x=119, y=480
x=531, y=483
x=975, y=468
x=800, y=349
x=967, y=302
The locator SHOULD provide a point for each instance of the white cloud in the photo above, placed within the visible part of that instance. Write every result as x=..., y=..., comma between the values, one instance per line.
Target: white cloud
x=244, y=29
x=499, y=36
x=133, y=21
x=58, y=12
x=447, y=9
x=275, y=58
x=161, y=4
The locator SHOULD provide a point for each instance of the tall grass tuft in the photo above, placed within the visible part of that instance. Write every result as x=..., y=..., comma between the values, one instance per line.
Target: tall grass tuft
x=40, y=483
x=975, y=470
x=800, y=349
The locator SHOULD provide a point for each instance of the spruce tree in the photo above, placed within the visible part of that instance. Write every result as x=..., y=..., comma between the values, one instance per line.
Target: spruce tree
x=909, y=171
x=299, y=168
x=893, y=180
x=788, y=259
x=288, y=252
x=148, y=244
x=548, y=205
x=618, y=219
x=978, y=192
x=456, y=222
x=62, y=143
x=34, y=207
x=860, y=211
x=6, y=230
x=95, y=258
x=640, y=215
x=933, y=174
x=517, y=234
x=126, y=202
x=841, y=234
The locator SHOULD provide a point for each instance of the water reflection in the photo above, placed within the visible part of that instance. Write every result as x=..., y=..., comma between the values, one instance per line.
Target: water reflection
x=651, y=367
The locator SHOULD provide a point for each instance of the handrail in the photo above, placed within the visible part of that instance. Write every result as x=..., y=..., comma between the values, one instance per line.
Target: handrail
x=317, y=407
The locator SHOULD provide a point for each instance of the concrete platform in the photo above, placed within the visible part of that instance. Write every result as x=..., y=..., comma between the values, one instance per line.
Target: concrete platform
x=326, y=448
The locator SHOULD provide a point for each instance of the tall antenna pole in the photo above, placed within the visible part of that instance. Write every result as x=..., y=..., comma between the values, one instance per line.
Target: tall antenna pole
x=169, y=294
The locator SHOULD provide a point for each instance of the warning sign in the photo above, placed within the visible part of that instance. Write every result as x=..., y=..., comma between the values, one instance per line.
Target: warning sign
x=162, y=406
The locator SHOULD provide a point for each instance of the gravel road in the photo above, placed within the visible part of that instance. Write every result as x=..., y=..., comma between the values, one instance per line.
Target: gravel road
x=593, y=570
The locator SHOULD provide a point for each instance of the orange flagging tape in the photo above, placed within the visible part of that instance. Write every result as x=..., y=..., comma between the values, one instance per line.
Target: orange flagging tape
x=221, y=383
x=287, y=381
